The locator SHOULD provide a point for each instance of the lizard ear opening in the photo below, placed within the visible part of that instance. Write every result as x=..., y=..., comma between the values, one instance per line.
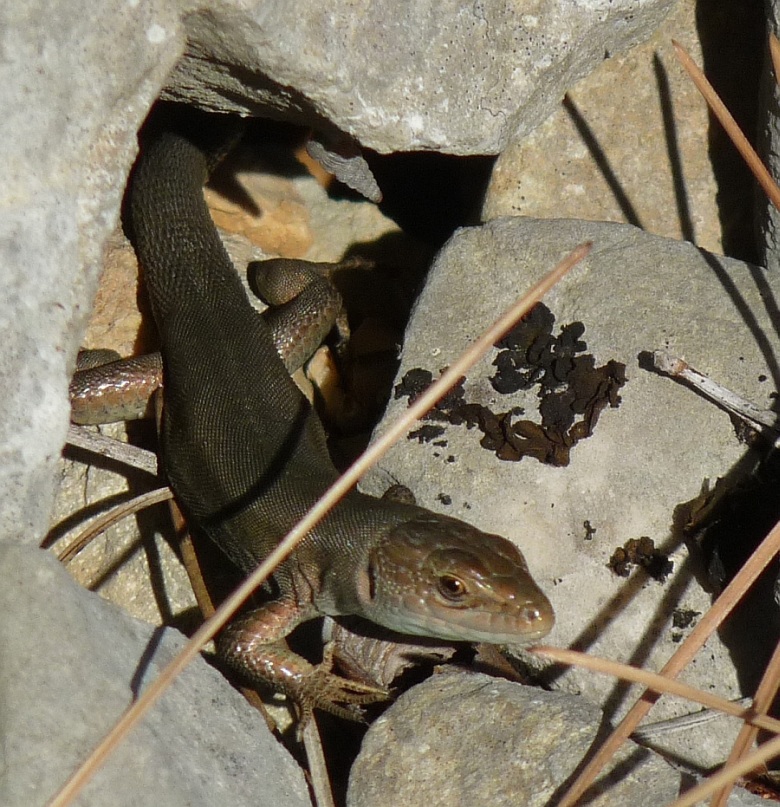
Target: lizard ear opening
x=366, y=582
x=371, y=574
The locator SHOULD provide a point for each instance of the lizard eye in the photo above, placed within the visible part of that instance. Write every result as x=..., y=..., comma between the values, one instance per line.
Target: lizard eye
x=451, y=588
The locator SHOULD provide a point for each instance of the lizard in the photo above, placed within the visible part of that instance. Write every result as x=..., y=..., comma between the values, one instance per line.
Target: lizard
x=246, y=457
x=304, y=306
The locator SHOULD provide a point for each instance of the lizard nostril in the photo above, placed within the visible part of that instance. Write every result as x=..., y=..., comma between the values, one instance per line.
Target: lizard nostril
x=531, y=615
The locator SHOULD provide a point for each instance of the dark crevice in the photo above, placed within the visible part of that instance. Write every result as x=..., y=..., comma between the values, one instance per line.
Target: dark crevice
x=733, y=39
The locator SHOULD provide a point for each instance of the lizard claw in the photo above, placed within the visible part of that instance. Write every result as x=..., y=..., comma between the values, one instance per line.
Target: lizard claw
x=323, y=689
x=246, y=649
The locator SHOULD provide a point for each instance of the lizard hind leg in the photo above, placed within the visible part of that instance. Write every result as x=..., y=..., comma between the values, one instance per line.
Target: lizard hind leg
x=253, y=646
x=305, y=305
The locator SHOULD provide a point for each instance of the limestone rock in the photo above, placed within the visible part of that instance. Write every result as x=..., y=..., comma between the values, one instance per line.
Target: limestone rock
x=72, y=100
x=629, y=144
x=472, y=739
x=73, y=663
x=634, y=293
x=395, y=76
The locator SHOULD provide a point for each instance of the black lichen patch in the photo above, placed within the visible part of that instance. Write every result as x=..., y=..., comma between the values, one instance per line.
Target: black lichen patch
x=683, y=618
x=572, y=392
x=426, y=434
x=641, y=552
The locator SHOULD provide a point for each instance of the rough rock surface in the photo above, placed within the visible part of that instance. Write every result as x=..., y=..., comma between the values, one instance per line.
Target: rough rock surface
x=201, y=745
x=769, y=220
x=629, y=144
x=496, y=743
x=634, y=293
x=72, y=100
x=461, y=79
x=499, y=743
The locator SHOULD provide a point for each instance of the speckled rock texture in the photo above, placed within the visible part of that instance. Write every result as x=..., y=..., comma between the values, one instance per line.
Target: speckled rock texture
x=405, y=75
x=629, y=144
x=497, y=743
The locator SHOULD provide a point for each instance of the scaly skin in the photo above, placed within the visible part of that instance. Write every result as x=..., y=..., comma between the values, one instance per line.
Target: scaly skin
x=107, y=389
x=246, y=457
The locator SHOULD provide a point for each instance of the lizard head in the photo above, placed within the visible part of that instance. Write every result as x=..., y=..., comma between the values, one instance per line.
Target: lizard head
x=439, y=577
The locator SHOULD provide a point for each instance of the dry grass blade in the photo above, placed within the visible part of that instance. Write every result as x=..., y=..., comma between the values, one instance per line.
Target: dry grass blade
x=774, y=52
x=765, y=695
x=110, y=518
x=318, y=771
x=209, y=629
x=658, y=683
x=739, y=140
x=771, y=679
x=710, y=622
x=727, y=776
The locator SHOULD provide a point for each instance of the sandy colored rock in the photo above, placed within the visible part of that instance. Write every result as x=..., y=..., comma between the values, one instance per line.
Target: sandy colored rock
x=604, y=154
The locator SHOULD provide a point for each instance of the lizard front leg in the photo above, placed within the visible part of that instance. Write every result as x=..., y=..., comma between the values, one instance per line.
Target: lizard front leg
x=253, y=645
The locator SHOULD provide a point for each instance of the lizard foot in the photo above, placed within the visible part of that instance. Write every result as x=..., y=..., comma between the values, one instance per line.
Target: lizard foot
x=323, y=689
x=261, y=659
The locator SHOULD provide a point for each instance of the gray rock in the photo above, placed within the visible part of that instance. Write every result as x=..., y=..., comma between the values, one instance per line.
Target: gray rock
x=623, y=172
x=636, y=292
x=473, y=739
x=71, y=665
x=744, y=798
x=73, y=95
x=461, y=79
x=769, y=142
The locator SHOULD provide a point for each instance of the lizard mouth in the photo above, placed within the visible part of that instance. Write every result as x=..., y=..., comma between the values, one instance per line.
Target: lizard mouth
x=520, y=625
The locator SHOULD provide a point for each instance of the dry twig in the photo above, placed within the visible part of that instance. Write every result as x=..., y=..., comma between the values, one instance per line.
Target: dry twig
x=110, y=518
x=135, y=457
x=754, y=416
x=318, y=771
